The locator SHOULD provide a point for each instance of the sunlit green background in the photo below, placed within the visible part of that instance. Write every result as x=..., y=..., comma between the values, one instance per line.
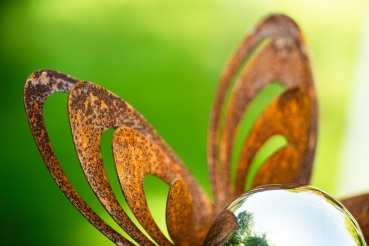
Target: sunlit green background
x=164, y=58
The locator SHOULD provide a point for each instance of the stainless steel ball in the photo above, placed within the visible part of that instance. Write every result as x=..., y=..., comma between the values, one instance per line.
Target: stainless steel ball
x=285, y=215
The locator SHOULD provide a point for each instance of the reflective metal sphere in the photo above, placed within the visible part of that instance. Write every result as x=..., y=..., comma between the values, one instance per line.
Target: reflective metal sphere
x=285, y=215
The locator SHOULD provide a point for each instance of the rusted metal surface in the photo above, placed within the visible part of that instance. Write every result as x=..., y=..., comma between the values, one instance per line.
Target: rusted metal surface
x=89, y=117
x=139, y=151
x=39, y=86
x=291, y=164
x=223, y=227
x=92, y=110
x=135, y=157
x=359, y=208
x=283, y=59
x=179, y=214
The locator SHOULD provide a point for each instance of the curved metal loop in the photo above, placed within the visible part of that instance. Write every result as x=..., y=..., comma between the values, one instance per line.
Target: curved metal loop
x=180, y=215
x=286, y=116
x=284, y=59
x=136, y=157
x=92, y=110
x=39, y=86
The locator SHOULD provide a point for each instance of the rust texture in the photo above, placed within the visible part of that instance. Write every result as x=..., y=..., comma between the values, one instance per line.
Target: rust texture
x=286, y=116
x=282, y=59
x=135, y=157
x=139, y=151
x=179, y=214
x=39, y=86
x=224, y=226
x=92, y=110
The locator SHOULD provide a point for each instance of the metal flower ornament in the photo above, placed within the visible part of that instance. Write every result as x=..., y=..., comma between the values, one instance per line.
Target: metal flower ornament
x=192, y=219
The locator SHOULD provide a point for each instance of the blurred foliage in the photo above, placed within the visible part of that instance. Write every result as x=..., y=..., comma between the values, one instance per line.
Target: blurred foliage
x=245, y=234
x=164, y=58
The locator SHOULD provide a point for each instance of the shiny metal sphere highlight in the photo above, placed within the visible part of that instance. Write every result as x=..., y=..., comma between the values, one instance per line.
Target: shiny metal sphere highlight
x=285, y=215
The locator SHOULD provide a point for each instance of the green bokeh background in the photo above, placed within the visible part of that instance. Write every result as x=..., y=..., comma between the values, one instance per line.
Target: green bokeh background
x=164, y=58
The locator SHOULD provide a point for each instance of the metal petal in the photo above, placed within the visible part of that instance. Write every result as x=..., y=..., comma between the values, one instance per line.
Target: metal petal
x=92, y=110
x=179, y=214
x=224, y=226
x=284, y=59
x=136, y=157
x=39, y=86
x=293, y=163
